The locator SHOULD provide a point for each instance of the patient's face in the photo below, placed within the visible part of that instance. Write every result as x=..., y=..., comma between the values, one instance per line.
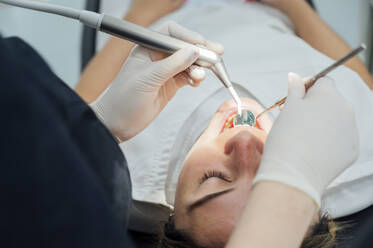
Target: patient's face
x=215, y=180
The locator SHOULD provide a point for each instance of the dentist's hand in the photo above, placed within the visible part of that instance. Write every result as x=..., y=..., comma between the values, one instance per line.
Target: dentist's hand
x=314, y=139
x=148, y=81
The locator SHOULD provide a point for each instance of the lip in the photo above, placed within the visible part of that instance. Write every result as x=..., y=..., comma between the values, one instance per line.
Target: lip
x=232, y=111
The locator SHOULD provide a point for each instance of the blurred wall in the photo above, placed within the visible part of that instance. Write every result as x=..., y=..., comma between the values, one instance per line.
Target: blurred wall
x=56, y=38
x=349, y=18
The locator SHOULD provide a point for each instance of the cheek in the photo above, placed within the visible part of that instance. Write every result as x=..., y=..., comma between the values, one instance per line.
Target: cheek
x=216, y=235
x=236, y=203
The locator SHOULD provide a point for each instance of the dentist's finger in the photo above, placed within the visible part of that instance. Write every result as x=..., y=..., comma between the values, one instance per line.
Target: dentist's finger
x=215, y=46
x=173, y=29
x=324, y=85
x=175, y=63
x=296, y=88
x=196, y=73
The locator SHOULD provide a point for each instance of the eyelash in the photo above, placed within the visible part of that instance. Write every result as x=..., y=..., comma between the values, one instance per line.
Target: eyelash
x=213, y=173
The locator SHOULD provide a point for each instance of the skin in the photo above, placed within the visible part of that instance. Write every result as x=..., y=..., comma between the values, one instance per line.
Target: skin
x=274, y=210
x=289, y=221
x=237, y=154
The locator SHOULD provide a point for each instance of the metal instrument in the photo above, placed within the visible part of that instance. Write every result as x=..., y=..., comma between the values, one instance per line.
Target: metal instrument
x=321, y=74
x=137, y=34
x=154, y=40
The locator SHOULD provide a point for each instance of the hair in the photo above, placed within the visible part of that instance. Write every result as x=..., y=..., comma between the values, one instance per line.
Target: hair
x=323, y=234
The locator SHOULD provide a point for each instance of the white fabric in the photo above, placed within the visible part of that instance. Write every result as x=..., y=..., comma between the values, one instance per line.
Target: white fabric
x=324, y=152
x=260, y=50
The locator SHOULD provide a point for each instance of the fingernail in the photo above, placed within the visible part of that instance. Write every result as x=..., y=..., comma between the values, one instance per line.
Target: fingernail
x=197, y=73
x=220, y=48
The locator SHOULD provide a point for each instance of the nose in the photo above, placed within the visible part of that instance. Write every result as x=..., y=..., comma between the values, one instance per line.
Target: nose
x=245, y=149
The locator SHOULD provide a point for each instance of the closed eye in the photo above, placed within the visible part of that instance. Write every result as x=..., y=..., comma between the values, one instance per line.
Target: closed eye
x=213, y=173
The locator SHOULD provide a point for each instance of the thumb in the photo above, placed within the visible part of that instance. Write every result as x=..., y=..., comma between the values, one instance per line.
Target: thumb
x=296, y=89
x=176, y=63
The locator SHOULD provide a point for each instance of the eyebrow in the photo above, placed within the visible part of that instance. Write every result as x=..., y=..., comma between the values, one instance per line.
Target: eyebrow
x=206, y=199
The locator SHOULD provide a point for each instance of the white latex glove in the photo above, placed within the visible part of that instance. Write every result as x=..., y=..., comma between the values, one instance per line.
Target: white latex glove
x=314, y=139
x=148, y=81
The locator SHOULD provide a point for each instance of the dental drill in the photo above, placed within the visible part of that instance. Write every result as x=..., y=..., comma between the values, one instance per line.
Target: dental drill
x=137, y=34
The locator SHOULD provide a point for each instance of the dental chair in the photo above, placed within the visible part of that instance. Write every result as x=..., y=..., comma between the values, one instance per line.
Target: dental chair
x=146, y=218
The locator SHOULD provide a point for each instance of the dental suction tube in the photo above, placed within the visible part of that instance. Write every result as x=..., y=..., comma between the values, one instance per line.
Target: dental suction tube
x=45, y=7
x=135, y=33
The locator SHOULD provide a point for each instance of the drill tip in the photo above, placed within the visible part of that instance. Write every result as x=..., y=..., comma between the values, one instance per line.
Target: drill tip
x=236, y=99
x=239, y=107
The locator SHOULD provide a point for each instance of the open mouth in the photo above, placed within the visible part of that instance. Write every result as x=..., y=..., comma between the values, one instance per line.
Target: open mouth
x=229, y=122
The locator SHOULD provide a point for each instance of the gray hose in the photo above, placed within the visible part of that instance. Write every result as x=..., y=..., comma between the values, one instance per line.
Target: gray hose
x=45, y=7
